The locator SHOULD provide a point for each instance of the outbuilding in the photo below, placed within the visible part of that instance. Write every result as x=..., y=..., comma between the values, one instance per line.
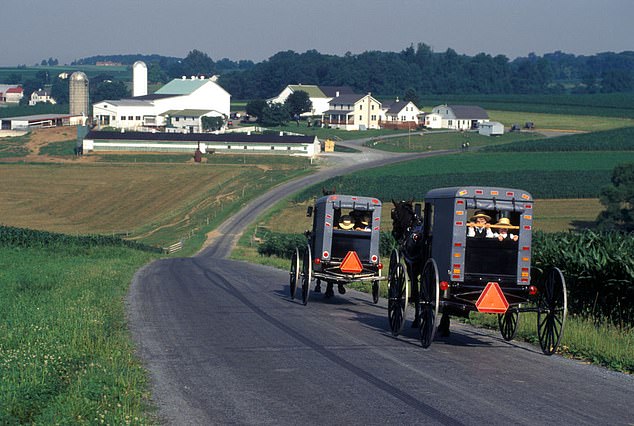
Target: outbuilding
x=491, y=128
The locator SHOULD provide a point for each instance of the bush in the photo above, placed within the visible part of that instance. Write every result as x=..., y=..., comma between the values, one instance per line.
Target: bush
x=281, y=245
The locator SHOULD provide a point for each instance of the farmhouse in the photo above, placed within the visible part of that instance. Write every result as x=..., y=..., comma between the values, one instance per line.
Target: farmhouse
x=318, y=95
x=353, y=112
x=230, y=143
x=41, y=96
x=457, y=117
x=400, y=115
x=179, y=97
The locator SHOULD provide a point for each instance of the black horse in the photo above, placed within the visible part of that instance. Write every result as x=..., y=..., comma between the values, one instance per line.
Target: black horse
x=407, y=230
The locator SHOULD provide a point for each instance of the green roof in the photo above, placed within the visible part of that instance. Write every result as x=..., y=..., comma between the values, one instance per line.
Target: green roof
x=181, y=87
x=313, y=91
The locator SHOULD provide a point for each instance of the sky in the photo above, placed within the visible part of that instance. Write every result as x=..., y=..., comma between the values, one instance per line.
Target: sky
x=67, y=30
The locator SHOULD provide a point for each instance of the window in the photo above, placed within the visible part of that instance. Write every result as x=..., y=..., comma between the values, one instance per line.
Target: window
x=130, y=117
x=245, y=147
x=228, y=146
x=449, y=122
x=288, y=148
x=138, y=118
x=372, y=107
x=122, y=117
x=360, y=118
x=373, y=118
x=360, y=107
x=272, y=148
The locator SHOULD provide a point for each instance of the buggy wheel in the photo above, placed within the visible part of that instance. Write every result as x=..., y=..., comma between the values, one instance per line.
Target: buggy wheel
x=375, y=291
x=551, y=310
x=307, y=274
x=429, y=301
x=397, y=294
x=508, y=323
x=294, y=273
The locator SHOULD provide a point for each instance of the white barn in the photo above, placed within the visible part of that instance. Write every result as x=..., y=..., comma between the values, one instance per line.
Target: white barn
x=457, y=117
x=491, y=128
x=148, y=112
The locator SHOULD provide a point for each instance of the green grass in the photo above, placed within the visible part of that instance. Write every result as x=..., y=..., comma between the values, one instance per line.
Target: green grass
x=602, y=344
x=59, y=149
x=14, y=146
x=65, y=352
x=441, y=140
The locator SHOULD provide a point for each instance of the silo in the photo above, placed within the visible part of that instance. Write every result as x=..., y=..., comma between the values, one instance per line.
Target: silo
x=78, y=94
x=139, y=79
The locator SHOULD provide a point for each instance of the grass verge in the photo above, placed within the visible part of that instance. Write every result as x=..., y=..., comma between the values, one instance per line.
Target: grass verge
x=66, y=355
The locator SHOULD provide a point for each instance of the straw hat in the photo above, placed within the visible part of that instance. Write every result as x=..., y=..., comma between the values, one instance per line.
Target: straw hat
x=478, y=214
x=346, y=222
x=365, y=220
x=505, y=221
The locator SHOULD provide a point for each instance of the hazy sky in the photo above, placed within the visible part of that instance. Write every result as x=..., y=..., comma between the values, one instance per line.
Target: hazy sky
x=32, y=30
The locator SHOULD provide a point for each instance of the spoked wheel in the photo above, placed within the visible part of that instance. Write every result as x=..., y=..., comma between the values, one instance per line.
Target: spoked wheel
x=375, y=291
x=307, y=274
x=508, y=323
x=294, y=273
x=397, y=294
x=552, y=308
x=429, y=302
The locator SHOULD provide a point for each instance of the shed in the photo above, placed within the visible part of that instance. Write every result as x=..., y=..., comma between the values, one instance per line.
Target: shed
x=491, y=128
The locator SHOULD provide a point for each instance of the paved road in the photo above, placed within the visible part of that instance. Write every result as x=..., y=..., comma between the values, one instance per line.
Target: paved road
x=224, y=344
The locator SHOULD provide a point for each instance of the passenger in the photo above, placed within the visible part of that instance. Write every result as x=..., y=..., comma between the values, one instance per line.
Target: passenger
x=503, y=230
x=480, y=226
x=346, y=223
x=363, y=223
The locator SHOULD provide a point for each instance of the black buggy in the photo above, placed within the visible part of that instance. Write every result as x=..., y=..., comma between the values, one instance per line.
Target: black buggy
x=470, y=250
x=343, y=246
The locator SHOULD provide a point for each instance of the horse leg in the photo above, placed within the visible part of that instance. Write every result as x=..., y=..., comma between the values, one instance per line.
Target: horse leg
x=329, y=291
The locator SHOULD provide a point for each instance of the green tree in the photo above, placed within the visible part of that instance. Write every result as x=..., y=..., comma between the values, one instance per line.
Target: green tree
x=155, y=73
x=619, y=200
x=212, y=123
x=195, y=63
x=274, y=114
x=298, y=102
x=60, y=90
x=109, y=90
x=411, y=96
x=255, y=108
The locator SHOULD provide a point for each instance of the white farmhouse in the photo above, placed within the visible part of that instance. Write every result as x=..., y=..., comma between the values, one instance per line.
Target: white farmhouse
x=400, y=115
x=319, y=96
x=457, y=117
x=41, y=96
x=353, y=112
x=179, y=97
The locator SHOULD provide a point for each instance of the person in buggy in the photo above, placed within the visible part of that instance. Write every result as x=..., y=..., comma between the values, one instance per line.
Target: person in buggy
x=479, y=226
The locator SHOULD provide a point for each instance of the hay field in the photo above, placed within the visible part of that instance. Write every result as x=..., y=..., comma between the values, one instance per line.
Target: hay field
x=113, y=198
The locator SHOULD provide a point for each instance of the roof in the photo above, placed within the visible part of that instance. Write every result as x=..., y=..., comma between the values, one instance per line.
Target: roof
x=480, y=192
x=153, y=97
x=187, y=112
x=346, y=99
x=14, y=90
x=338, y=111
x=331, y=91
x=181, y=86
x=313, y=91
x=468, y=111
x=37, y=117
x=200, y=137
x=127, y=102
x=349, y=201
x=394, y=107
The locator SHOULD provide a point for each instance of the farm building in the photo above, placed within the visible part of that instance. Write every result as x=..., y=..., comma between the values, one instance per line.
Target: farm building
x=491, y=128
x=149, y=112
x=400, y=115
x=353, y=112
x=40, y=120
x=229, y=143
x=318, y=95
x=457, y=117
x=11, y=93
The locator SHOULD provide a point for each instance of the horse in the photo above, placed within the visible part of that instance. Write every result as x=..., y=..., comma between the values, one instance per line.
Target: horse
x=407, y=230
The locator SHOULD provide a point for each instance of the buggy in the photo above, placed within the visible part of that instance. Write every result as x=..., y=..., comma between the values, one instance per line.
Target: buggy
x=460, y=272
x=343, y=246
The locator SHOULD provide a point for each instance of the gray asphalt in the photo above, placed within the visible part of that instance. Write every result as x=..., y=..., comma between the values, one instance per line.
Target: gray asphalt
x=225, y=344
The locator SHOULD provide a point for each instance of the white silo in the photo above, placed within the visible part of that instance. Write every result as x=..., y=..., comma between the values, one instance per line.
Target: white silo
x=139, y=79
x=78, y=96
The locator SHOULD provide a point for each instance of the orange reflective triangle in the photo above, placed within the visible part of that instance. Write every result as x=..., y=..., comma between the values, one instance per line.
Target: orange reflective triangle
x=351, y=263
x=492, y=300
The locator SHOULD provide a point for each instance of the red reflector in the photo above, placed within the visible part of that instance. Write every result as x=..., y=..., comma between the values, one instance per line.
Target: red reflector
x=374, y=258
x=479, y=191
x=375, y=201
x=459, y=223
x=528, y=206
x=444, y=285
x=317, y=261
x=325, y=254
x=457, y=244
x=527, y=227
x=524, y=280
x=328, y=216
x=492, y=300
x=455, y=276
x=532, y=290
x=460, y=202
x=526, y=248
x=333, y=197
x=510, y=194
x=380, y=266
x=327, y=224
x=456, y=265
x=524, y=269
